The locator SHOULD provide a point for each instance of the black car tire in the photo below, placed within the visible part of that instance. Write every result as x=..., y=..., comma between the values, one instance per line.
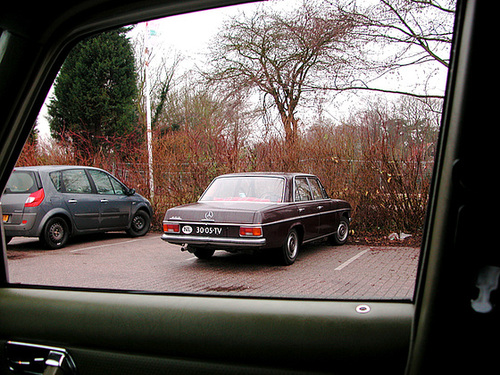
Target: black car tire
x=203, y=253
x=340, y=236
x=55, y=233
x=140, y=224
x=290, y=248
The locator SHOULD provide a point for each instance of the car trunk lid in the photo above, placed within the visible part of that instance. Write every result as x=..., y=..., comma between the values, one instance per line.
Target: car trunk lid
x=217, y=212
x=21, y=185
x=13, y=207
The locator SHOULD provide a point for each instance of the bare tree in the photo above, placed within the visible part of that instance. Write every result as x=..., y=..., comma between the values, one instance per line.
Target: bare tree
x=281, y=53
x=398, y=34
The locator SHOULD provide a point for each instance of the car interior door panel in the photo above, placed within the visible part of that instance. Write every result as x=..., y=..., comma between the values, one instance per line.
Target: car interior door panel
x=200, y=328
x=72, y=330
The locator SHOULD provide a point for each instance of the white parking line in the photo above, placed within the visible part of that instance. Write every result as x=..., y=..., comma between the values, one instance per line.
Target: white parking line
x=349, y=261
x=99, y=246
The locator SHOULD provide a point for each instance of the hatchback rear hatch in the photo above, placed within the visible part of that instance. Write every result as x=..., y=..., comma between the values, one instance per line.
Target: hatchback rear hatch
x=22, y=189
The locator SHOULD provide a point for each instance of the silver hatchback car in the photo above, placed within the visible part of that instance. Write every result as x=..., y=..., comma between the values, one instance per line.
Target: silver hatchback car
x=56, y=202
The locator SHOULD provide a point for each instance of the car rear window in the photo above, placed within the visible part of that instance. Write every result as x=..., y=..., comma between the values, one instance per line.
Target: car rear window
x=254, y=189
x=21, y=182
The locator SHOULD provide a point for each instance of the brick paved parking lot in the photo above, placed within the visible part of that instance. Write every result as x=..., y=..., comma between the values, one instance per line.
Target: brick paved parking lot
x=116, y=261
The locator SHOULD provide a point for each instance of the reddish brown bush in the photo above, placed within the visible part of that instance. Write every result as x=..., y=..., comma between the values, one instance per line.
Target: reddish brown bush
x=377, y=165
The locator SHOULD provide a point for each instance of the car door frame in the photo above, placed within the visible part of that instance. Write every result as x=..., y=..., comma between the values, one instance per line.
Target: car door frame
x=200, y=333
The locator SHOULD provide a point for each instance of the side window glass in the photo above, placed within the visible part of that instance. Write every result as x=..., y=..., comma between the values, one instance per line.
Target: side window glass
x=102, y=182
x=118, y=188
x=55, y=177
x=302, y=190
x=76, y=181
x=367, y=125
x=316, y=189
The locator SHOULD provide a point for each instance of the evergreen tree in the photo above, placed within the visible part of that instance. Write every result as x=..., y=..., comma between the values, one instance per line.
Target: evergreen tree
x=93, y=103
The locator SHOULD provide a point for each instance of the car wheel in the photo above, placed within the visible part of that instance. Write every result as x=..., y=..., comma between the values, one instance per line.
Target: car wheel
x=340, y=237
x=140, y=224
x=290, y=248
x=203, y=253
x=56, y=233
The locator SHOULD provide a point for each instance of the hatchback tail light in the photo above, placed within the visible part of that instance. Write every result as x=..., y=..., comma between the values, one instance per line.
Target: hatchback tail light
x=35, y=199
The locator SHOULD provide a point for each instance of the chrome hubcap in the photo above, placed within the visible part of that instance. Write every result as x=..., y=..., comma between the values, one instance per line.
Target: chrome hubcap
x=342, y=231
x=292, y=245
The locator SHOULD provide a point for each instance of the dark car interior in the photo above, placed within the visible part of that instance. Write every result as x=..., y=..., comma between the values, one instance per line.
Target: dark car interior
x=451, y=327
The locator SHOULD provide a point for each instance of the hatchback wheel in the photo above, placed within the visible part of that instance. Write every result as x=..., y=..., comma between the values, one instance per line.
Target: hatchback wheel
x=140, y=224
x=56, y=233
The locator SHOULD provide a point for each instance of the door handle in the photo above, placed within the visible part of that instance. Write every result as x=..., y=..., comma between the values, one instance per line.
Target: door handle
x=72, y=201
x=301, y=209
x=104, y=201
x=59, y=363
x=24, y=358
x=320, y=207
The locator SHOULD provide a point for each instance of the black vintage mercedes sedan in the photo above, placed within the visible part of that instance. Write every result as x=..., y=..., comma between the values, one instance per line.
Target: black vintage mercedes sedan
x=251, y=211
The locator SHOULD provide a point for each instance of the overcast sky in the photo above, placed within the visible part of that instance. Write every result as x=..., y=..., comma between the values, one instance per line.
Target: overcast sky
x=189, y=35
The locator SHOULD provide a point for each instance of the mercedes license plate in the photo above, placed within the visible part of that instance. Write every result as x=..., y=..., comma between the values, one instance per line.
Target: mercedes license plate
x=202, y=230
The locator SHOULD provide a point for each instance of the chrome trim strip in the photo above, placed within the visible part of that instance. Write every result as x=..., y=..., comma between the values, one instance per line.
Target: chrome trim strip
x=37, y=346
x=319, y=237
x=220, y=241
x=247, y=224
x=304, y=216
x=205, y=223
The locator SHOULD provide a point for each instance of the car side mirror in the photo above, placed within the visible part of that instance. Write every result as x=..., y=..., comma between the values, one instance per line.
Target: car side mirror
x=130, y=192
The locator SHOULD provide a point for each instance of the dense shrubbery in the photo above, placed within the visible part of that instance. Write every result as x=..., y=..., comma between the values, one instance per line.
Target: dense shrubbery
x=380, y=163
x=277, y=69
